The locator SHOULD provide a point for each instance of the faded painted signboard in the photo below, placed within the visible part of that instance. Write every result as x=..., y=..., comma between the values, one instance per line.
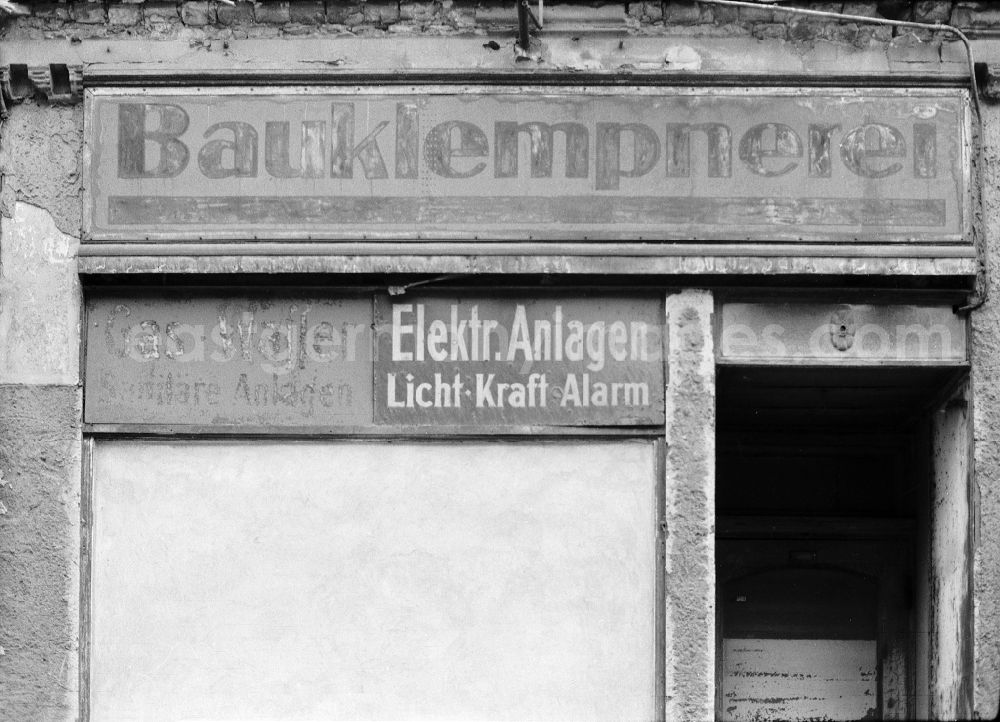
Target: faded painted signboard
x=312, y=361
x=451, y=162
x=282, y=361
x=841, y=334
x=563, y=361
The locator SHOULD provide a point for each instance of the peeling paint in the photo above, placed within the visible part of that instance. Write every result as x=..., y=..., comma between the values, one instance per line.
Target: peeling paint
x=799, y=679
x=41, y=150
x=951, y=693
x=40, y=300
x=682, y=57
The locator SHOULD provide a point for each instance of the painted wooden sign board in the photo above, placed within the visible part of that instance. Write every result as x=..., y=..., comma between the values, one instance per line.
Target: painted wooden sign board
x=519, y=360
x=229, y=361
x=841, y=334
x=314, y=362
x=528, y=163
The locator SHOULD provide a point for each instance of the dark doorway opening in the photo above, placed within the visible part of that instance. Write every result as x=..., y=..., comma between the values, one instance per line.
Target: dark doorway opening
x=824, y=559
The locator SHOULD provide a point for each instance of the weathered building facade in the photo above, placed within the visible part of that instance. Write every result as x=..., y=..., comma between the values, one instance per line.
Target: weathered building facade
x=361, y=360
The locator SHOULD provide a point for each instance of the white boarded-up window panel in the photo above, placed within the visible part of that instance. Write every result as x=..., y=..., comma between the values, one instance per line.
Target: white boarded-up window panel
x=799, y=679
x=322, y=581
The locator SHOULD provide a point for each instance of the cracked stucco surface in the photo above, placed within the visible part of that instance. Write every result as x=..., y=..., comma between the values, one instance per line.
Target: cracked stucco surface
x=985, y=346
x=41, y=149
x=690, y=508
x=40, y=413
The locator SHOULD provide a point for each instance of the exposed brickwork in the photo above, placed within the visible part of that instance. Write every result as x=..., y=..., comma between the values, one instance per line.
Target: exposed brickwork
x=124, y=15
x=197, y=13
x=682, y=13
x=307, y=13
x=273, y=18
x=932, y=12
x=238, y=14
x=986, y=17
x=89, y=13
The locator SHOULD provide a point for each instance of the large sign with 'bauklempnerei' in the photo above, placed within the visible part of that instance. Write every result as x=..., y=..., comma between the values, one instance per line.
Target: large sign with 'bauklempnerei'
x=497, y=361
x=449, y=162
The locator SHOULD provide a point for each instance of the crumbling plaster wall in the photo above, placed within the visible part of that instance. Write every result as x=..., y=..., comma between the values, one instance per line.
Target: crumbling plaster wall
x=689, y=508
x=40, y=412
x=985, y=326
x=40, y=162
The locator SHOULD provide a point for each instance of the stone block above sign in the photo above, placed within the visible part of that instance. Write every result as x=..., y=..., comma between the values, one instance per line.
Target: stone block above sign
x=841, y=335
x=229, y=361
x=519, y=361
x=530, y=163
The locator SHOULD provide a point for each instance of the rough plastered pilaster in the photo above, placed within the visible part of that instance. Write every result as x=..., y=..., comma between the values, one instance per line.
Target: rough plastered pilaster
x=985, y=350
x=690, y=509
x=40, y=414
x=41, y=148
x=39, y=552
x=986, y=425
